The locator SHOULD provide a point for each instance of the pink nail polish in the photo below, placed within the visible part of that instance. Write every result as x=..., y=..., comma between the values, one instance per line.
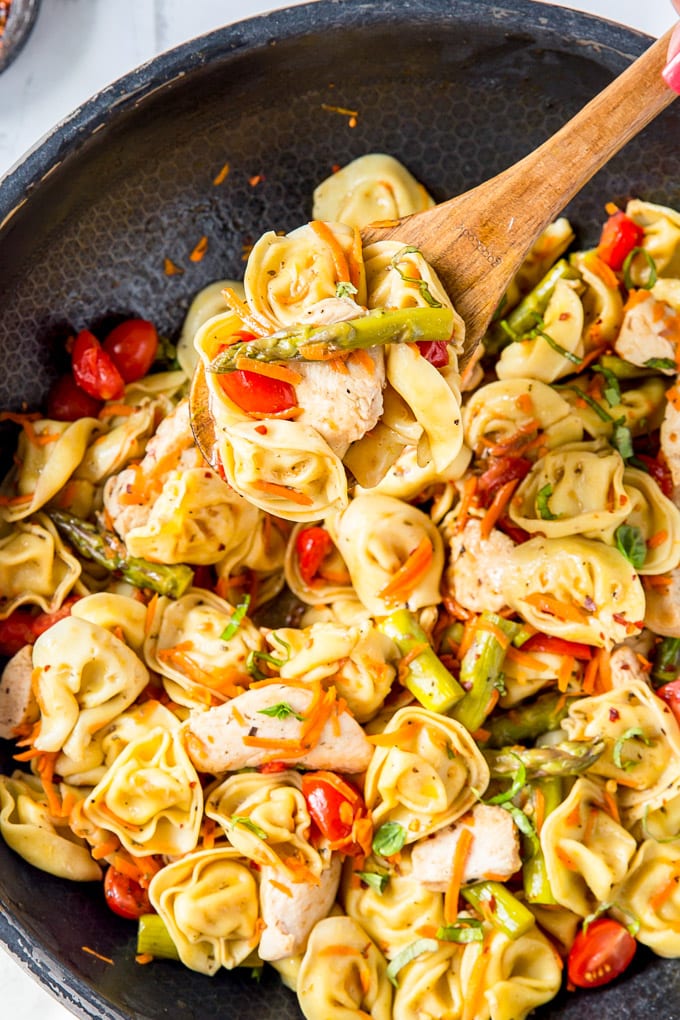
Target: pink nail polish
x=671, y=73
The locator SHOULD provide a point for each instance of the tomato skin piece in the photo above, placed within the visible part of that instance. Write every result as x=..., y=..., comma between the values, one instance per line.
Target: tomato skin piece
x=504, y=469
x=620, y=234
x=23, y=626
x=257, y=393
x=132, y=346
x=600, y=953
x=124, y=896
x=66, y=401
x=557, y=646
x=670, y=694
x=434, y=351
x=325, y=802
x=93, y=369
x=659, y=471
x=312, y=545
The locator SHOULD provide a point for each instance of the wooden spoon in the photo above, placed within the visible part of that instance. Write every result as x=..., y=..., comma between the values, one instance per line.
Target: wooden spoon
x=477, y=241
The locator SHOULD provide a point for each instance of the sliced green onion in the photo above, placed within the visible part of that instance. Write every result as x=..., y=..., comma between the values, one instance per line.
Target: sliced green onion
x=661, y=364
x=422, y=285
x=500, y=908
x=248, y=823
x=411, y=952
x=524, y=824
x=622, y=439
x=281, y=711
x=465, y=929
x=389, y=839
x=634, y=733
x=542, y=503
x=648, y=834
x=631, y=543
x=558, y=348
x=376, y=880
x=627, y=268
x=518, y=782
x=612, y=389
x=239, y=612
x=592, y=404
x=666, y=661
x=154, y=938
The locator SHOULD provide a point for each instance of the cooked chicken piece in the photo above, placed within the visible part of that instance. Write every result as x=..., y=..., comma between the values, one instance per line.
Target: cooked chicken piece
x=644, y=333
x=215, y=738
x=330, y=310
x=662, y=614
x=477, y=567
x=171, y=448
x=494, y=850
x=625, y=666
x=342, y=404
x=17, y=701
x=290, y=916
x=670, y=443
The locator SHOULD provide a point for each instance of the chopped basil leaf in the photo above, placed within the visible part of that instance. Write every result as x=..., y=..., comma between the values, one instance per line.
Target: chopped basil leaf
x=421, y=284
x=644, y=283
x=345, y=289
x=634, y=733
x=622, y=439
x=630, y=542
x=466, y=929
x=662, y=364
x=542, y=497
x=281, y=711
x=412, y=951
x=377, y=880
x=650, y=835
x=612, y=388
x=232, y=627
x=524, y=825
x=518, y=782
x=592, y=404
x=389, y=839
x=254, y=657
x=248, y=823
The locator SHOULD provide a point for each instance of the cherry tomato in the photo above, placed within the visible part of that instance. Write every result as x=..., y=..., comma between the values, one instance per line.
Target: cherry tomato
x=132, y=346
x=435, y=351
x=312, y=545
x=23, y=626
x=125, y=896
x=600, y=953
x=332, y=804
x=670, y=693
x=659, y=471
x=67, y=402
x=620, y=234
x=93, y=369
x=254, y=392
x=502, y=470
x=557, y=646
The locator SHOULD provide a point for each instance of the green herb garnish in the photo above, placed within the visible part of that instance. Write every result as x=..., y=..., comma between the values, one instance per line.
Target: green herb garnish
x=345, y=289
x=239, y=612
x=630, y=542
x=412, y=951
x=465, y=929
x=248, y=823
x=542, y=497
x=281, y=711
x=634, y=733
x=627, y=268
x=421, y=284
x=661, y=364
x=377, y=880
x=389, y=839
x=518, y=782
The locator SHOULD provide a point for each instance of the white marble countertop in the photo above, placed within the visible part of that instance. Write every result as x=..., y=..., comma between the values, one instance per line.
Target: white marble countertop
x=76, y=48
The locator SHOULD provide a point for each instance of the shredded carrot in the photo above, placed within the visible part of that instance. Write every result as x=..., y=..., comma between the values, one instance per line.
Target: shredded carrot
x=16, y=500
x=565, y=672
x=364, y=359
x=611, y=208
x=564, y=858
x=460, y=856
x=126, y=867
x=283, y=492
x=150, y=612
x=473, y=1005
x=221, y=176
x=106, y=849
x=391, y=738
x=491, y=628
x=281, y=887
x=104, y=959
x=661, y=582
x=466, y=502
x=289, y=414
x=657, y=539
x=600, y=269
x=539, y=809
x=269, y=369
x=253, y=321
x=199, y=250
x=409, y=574
x=144, y=958
x=171, y=268
x=324, y=232
x=526, y=404
x=338, y=364
x=548, y=604
x=611, y=807
x=338, y=950
x=666, y=891
x=226, y=680
x=116, y=411
x=590, y=675
x=604, y=673
x=497, y=506
x=469, y=630
x=526, y=659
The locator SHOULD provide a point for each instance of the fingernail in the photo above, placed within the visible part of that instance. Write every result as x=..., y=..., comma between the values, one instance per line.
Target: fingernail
x=671, y=73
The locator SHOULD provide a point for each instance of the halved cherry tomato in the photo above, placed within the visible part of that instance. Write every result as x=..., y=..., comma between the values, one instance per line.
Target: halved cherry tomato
x=502, y=470
x=132, y=346
x=600, y=953
x=557, y=646
x=23, y=626
x=125, y=896
x=66, y=401
x=333, y=805
x=659, y=471
x=312, y=545
x=670, y=693
x=435, y=351
x=620, y=234
x=254, y=392
x=93, y=369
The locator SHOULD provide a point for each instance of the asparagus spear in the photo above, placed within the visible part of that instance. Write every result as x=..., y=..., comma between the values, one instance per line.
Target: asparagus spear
x=500, y=907
x=154, y=938
x=108, y=551
x=523, y=318
x=565, y=759
x=666, y=661
x=534, y=872
x=528, y=720
x=480, y=670
x=425, y=676
x=314, y=343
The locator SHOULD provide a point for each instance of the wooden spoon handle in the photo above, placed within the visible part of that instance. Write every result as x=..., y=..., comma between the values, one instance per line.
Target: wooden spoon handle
x=545, y=180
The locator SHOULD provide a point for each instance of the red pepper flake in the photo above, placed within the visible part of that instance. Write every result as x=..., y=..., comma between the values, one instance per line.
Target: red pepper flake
x=171, y=268
x=335, y=168
x=221, y=177
x=199, y=250
x=262, y=429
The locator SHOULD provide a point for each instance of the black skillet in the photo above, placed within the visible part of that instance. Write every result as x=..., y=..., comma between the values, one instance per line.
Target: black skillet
x=457, y=90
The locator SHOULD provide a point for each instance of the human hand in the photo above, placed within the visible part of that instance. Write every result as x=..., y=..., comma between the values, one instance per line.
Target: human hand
x=671, y=72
